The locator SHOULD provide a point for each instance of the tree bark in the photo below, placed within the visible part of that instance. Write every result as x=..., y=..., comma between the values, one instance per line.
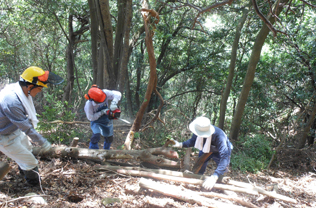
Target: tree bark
x=303, y=136
x=232, y=64
x=148, y=155
x=186, y=195
x=152, y=83
x=253, y=61
x=235, y=186
x=198, y=164
x=186, y=159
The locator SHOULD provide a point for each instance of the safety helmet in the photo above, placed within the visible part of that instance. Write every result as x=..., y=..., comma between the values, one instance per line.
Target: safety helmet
x=35, y=75
x=96, y=94
x=39, y=77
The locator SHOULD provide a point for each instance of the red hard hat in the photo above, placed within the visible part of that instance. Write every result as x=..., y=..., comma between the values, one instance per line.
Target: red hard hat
x=96, y=94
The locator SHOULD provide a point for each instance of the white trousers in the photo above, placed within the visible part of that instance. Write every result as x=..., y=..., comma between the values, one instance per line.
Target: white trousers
x=18, y=147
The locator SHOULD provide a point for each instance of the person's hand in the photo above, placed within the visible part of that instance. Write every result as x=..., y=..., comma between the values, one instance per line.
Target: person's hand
x=113, y=106
x=46, y=147
x=210, y=182
x=104, y=111
x=177, y=144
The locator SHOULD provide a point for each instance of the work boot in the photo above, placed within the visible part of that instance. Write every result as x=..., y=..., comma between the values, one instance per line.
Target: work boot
x=32, y=176
x=106, y=145
x=93, y=145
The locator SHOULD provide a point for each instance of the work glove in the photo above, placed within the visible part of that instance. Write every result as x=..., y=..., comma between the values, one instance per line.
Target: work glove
x=177, y=144
x=104, y=111
x=113, y=106
x=210, y=182
x=46, y=147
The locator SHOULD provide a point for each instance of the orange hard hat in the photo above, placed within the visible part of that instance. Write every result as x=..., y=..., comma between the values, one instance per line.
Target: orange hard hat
x=96, y=94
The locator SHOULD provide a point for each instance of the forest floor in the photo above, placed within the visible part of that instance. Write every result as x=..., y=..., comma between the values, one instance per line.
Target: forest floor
x=74, y=183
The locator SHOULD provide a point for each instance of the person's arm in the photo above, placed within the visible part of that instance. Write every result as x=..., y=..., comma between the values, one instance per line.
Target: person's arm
x=190, y=142
x=17, y=115
x=88, y=109
x=113, y=95
x=221, y=144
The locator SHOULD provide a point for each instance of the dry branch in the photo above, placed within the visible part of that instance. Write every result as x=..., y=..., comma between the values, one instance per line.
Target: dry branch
x=183, y=195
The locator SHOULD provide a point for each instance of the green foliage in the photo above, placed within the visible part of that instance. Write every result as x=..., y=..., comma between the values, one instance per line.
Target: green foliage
x=57, y=132
x=254, y=154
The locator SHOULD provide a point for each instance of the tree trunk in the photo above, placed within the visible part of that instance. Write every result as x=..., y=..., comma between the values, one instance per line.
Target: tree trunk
x=151, y=83
x=253, y=61
x=70, y=62
x=94, y=24
x=122, y=77
x=148, y=155
x=232, y=64
x=306, y=130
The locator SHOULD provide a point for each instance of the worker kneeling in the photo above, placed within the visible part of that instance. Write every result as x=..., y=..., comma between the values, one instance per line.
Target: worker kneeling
x=209, y=139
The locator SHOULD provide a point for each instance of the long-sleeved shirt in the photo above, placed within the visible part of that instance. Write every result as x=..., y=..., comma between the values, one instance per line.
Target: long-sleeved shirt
x=220, y=144
x=13, y=116
x=91, y=107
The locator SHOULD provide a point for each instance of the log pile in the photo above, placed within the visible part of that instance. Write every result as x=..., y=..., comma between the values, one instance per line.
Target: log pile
x=164, y=174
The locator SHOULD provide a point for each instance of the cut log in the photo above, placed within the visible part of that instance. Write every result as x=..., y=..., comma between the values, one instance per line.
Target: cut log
x=159, y=171
x=198, y=164
x=262, y=191
x=74, y=142
x=183, y=195
x=4, y=169
x=247, y=190
x=222, y=196
x=147, y=155
x=192, y=181
x=186, y=160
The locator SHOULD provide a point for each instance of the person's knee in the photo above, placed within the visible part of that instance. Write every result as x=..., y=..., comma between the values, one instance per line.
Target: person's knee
x=95, y=138
x=108, y=139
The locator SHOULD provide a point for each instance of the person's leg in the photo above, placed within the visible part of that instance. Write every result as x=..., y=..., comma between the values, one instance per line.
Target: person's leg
x=107, y=142
x=17, y=147
x=94, y=141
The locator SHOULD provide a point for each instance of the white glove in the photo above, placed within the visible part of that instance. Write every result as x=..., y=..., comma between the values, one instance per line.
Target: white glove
x=113, y=106
x=177, y=144
x=104, y=111
x=46, y=147
x=210, y=182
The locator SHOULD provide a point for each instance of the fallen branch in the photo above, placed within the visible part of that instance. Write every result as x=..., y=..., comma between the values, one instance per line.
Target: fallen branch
x=183, y=195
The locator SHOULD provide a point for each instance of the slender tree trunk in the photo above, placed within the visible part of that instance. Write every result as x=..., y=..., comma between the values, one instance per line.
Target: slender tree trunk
x=232, y=64
x=94, y=36
x=303, y=136
x=126, y=52
x=253, y=61
x=152, y=83
x=70, y=62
